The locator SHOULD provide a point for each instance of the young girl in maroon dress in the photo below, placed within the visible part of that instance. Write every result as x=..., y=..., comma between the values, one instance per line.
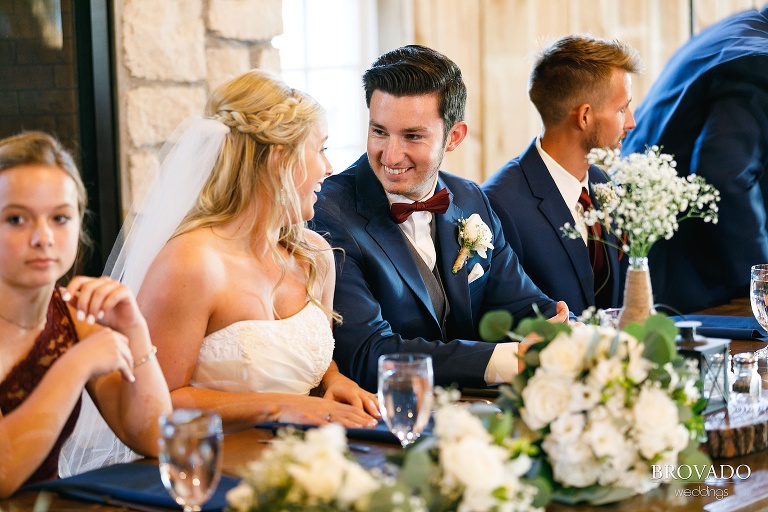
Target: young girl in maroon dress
x=56, y=341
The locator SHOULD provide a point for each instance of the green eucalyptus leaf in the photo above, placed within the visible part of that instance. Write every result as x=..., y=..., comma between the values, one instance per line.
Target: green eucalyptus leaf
x=684, y=413
x=417, y=468
x=500, y=426
x=544, y=491
x=663, y=326
x=659, y=349
x=495, y=324
x=593, y=495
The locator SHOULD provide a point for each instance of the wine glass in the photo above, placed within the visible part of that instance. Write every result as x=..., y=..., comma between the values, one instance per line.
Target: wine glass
x=758, y=294
x=405, y=394
x=190, y=456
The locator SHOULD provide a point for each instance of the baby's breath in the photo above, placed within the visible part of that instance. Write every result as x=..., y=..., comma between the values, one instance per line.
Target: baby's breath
x=645, y=199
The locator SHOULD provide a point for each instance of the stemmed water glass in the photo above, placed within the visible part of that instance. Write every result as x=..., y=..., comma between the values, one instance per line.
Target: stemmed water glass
x=405, y=394
x=758, y=294
x=190, y=456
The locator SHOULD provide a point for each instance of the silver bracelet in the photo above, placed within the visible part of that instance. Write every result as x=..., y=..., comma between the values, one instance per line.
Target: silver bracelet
x=150, y=356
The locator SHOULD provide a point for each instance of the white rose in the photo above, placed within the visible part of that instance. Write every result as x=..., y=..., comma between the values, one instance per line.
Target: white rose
x=604, y=439
x=331, y=438
x=474, y=463
x=545, y=397
x=456, y=422
x=650, y=444
x=357, y=486
x=581, y=474
x=518, y=466
x=478, y=234
x=477, y=500
x=638, y=479
x=638, y=366
x=571, y=451
x=321, y=478
x=240, y=498
x=605, y=372
x=583, y=397
x=677, y=439
x=564, y=355
x=654, y=411
x=567, y=427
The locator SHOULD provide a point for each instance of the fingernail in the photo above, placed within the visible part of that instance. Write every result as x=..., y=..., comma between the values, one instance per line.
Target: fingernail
x=66, y=296
x=131, y=378
x=90, y=319
x=100, y=315
x=373, y=423
x=80, y=315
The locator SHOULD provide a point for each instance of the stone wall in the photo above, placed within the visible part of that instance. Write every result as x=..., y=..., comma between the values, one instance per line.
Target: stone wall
x=170, y=55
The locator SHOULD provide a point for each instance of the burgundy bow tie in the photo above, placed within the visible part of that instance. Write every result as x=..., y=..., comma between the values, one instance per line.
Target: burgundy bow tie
x=438, y=203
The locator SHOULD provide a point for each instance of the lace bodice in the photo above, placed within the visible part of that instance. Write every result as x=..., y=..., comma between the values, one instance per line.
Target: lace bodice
x=289, y=355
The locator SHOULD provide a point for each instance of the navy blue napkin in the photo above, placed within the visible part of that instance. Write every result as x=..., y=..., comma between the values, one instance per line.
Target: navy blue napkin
x=129, y=483
x=729, y=327
x=378, y=434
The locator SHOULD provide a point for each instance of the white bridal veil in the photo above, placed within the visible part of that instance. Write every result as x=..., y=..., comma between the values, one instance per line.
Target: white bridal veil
x=186, y=161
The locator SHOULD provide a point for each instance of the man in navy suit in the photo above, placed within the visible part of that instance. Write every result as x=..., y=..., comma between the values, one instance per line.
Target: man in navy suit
x=581, y=87
x=395, y=287
x=709, y=108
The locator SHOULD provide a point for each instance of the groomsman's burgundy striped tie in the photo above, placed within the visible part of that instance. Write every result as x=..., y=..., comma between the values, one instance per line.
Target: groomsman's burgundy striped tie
x=597, y=257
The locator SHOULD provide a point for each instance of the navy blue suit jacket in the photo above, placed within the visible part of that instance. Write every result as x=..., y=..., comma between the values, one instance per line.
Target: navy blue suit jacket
x=709, y=108
x=382, y=297
x=532, y=211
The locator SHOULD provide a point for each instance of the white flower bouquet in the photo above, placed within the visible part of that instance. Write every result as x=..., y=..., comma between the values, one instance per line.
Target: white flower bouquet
x=604, y=406
x=645, y=199
x=463, y=466
x=298, y=472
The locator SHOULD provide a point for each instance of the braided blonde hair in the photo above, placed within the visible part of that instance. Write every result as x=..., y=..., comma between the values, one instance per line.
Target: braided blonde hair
x=269, y=125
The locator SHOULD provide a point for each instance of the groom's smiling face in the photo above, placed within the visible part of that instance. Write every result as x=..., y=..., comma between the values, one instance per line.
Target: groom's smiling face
x=406, y=142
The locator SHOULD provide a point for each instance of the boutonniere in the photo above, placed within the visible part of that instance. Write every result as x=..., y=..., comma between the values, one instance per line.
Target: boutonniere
x=474, y=236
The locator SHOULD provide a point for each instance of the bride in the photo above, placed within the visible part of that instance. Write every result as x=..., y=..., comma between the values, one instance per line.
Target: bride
x=236, y=291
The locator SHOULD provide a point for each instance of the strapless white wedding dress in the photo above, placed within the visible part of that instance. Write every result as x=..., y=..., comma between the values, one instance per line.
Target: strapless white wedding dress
x=289, y=355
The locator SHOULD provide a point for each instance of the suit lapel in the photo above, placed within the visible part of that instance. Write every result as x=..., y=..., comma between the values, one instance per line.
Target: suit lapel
x=456, y=285
x=373, y=205
x=557, y=213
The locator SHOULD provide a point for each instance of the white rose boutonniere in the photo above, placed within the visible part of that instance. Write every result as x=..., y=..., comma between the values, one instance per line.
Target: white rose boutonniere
x=474, y=236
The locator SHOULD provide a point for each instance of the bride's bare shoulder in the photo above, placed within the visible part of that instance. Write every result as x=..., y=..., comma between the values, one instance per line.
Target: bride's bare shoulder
x=191, y=256
x=316, y=240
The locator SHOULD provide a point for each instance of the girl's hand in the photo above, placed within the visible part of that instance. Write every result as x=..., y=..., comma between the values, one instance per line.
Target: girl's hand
x=104, y=351
x=104, y=301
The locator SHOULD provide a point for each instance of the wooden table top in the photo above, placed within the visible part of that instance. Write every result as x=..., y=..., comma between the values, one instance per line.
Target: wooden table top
x=715, y=495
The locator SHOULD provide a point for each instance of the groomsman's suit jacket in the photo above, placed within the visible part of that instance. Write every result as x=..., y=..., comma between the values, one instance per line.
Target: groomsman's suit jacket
x=382, y=297
x=532, y=211
x=709, y=108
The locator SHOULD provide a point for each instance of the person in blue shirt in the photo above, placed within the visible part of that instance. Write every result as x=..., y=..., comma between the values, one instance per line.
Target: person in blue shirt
x=709, y=108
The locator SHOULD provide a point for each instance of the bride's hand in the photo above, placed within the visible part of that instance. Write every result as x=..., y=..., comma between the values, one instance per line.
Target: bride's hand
x=342, y=389
x=312, y=410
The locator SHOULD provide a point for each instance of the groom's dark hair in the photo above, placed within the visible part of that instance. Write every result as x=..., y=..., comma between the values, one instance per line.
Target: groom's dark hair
x=414, y=70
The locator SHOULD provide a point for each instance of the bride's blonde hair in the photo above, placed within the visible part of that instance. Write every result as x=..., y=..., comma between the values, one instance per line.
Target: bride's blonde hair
x=269, y=125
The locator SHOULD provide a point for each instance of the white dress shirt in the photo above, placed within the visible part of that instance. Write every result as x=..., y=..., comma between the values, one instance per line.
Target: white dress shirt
x=569, y=187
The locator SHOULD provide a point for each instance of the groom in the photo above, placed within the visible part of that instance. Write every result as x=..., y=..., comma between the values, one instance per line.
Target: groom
x=395, y=288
